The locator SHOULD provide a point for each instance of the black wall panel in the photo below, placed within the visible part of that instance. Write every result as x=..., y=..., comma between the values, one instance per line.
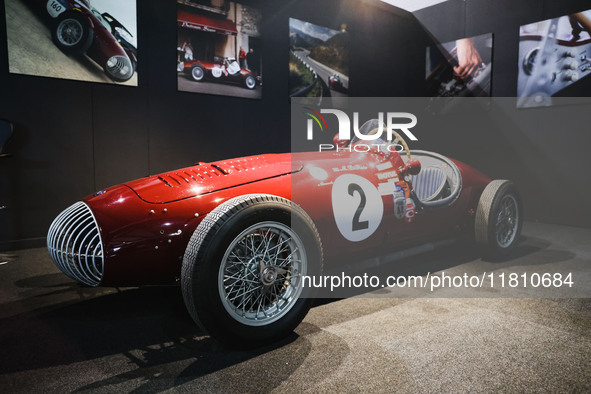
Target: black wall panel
x=120, y=134
x=545, y=150
x=553, y=8
x=52, y=151
x=444, y=23
x=386, y=55
x=73, y=138
x=503, y=18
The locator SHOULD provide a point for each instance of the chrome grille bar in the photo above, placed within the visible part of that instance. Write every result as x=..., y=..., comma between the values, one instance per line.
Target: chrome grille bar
x=120, y=67
x=75, y=245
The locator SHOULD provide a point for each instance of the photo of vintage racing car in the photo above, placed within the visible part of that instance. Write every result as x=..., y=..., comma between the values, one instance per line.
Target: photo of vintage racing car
x=334, y=82
x=79, y=28
x=222, y=70
x=239, y=235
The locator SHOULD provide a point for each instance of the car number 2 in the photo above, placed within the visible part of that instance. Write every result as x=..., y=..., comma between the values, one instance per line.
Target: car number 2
x=357, y=207
x=55, y=8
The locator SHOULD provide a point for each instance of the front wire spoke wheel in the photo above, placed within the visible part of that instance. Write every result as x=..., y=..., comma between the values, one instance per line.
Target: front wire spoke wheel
x=260, y=274
x=70, y=32
x=244, y=268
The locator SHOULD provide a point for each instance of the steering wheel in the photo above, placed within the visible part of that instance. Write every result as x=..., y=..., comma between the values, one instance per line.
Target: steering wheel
x=411, y=167
x=396, y=140
x=372, y=126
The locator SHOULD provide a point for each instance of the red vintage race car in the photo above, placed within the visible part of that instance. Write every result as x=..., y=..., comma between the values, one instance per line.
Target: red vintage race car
x=242, y=234
x=334, y=82
x=79, y=28
x=224, y=70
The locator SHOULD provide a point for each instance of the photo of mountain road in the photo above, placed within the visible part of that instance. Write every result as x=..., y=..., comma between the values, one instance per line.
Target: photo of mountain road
x=319, y=60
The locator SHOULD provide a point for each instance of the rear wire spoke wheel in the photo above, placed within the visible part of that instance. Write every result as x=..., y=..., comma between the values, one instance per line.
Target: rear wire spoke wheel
x=499, y=218
x=507, y=221
x=242, y=273
x=250, y=82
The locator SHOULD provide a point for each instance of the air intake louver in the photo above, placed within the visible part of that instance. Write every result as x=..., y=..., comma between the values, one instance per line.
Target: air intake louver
x=75, y=245
x=189, y=175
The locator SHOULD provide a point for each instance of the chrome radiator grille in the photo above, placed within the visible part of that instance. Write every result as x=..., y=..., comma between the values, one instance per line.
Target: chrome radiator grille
x=75, y=244
x=120, y=67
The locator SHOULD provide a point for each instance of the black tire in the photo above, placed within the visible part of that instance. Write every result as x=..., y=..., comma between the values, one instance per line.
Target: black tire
x=197, y=73
x=210, y=279
x=499, y=218
x=71, y=33
x=250, y=82
x=133, y=64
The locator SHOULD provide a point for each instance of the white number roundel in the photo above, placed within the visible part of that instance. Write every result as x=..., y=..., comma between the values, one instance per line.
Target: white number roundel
x=55, y=8
x=216, y=72
x=357, y=206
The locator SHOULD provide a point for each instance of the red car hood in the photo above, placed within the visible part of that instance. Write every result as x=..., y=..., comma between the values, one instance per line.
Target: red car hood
x=208, y=177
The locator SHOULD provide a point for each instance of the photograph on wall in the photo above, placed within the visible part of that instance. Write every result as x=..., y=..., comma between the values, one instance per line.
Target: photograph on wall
x=83, y=40
x=554, y=59
x=318, y=60
x=218, y=48
x=460, y=68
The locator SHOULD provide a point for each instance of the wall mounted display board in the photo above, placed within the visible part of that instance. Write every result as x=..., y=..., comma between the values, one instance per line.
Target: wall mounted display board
x=460, y=68
x=318, y=60
x=70, y=39
x=218, y=48
x=554, y=59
